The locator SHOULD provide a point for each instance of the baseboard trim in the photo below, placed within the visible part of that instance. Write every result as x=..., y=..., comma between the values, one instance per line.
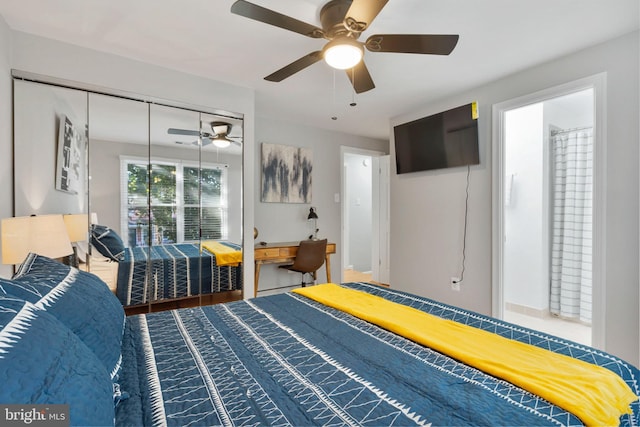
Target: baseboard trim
x=528, y=311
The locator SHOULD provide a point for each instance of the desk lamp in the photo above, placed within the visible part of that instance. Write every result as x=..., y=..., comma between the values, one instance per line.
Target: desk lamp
x=45, y=235
x=313, y=216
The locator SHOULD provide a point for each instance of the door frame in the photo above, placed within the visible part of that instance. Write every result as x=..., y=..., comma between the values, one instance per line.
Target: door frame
x=598, y=83
x=381, y=223
x=344, y=150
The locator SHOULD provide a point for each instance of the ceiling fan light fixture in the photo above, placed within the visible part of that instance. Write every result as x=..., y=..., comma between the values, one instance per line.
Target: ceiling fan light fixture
x=343, y=53
x=220, y=142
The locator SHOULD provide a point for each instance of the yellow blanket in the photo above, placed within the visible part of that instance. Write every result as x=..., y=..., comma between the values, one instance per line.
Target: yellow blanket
x=224, y=254
x=594, y=394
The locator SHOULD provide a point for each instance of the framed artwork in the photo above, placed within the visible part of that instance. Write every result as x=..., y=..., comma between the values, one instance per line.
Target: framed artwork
x=69, y=158
x=286, y=174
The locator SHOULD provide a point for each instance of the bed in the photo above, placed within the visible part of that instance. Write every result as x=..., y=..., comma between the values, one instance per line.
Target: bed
x=287, y=359
x=157, y=273
x=147, y=274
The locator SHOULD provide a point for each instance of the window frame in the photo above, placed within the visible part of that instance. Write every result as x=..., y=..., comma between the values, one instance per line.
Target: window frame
x=180, y=204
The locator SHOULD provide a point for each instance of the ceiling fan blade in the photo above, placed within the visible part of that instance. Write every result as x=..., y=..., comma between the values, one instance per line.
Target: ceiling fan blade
x=434, y=44
x=174, y=131
x=360, y=78
x=361, y=13
x=294, y=67
x=259, y=13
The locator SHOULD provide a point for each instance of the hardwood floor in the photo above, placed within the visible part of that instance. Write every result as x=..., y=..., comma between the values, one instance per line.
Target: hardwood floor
x=194, y=301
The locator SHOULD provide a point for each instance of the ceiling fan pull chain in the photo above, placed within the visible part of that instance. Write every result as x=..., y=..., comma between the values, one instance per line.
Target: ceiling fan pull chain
x=334, y=117
x=353, y=85
x=334, y=86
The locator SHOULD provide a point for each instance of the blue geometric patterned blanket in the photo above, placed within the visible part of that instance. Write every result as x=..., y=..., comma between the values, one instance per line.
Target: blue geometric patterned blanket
x=287, y=360
x=172, y=271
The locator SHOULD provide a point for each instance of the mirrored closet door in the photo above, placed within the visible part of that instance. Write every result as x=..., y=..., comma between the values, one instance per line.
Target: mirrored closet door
x=163, y=182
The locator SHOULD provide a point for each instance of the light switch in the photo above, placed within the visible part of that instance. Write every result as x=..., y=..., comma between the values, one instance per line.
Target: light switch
x=336, y=197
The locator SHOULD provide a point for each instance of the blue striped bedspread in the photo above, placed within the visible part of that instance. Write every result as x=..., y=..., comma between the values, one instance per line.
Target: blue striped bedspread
x=170, y=271
x=288, y=361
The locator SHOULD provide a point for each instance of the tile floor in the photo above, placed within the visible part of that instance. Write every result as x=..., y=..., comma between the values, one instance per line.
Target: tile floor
x=562, y=328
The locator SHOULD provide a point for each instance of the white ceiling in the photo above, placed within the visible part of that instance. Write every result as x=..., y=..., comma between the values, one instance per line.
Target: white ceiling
x=202, y=37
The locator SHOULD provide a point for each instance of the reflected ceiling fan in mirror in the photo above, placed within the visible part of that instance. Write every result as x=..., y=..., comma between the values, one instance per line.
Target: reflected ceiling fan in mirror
x=219, y=137
x=342, y=23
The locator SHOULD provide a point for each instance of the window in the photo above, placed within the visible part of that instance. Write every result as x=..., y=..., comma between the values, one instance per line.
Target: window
x=187, y=202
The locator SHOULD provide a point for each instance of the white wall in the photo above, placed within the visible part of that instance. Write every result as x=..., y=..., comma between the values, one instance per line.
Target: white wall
x=523, y=250
x=6, y=132
x=359, y=214
x=570, y=111
x=38, y=112
x=282, y=222
x=426, y=239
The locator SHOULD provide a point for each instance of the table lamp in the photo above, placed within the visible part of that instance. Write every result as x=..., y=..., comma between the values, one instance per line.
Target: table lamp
x=78, y=229
x=45, y=235
x=313, y=216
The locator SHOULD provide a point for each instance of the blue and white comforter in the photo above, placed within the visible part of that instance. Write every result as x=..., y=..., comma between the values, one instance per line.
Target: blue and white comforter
x=170, y=271
x=286, y=360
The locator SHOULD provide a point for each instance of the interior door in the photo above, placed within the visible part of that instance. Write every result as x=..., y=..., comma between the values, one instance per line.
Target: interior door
x=381, y=223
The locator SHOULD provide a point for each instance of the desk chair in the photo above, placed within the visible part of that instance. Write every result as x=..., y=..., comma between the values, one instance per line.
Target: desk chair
x=309, y=258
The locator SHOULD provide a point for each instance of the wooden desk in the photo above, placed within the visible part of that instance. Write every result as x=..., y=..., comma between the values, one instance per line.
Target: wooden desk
x=283, y=252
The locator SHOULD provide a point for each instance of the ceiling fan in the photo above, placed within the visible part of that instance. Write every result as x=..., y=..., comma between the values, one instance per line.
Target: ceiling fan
x=342, y=23
x=219, y=137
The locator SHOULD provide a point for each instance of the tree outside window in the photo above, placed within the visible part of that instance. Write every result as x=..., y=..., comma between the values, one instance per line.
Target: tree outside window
x=187, y=202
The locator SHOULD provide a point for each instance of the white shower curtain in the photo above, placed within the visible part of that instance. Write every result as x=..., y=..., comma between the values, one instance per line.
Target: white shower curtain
x=571, y=250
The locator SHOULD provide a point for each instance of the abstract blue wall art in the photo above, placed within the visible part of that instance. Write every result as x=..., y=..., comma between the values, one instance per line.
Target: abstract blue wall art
x=286, y=174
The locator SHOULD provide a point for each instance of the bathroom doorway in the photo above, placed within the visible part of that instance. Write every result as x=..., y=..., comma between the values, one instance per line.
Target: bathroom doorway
x=546, y=213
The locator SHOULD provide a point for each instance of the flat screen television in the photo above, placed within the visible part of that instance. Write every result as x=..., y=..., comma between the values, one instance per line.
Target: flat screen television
x=444, y=140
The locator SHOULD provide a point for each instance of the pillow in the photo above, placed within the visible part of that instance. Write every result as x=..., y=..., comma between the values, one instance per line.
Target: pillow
x=79, y=300
x=107, y=242
x=43, y=362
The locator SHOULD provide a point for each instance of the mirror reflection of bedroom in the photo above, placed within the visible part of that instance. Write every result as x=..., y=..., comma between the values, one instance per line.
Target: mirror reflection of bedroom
x=157, y=190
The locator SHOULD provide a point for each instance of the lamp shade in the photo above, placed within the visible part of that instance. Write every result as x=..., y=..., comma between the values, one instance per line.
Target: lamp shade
x=77, y=226
x=45, y=235
x=312, y=214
